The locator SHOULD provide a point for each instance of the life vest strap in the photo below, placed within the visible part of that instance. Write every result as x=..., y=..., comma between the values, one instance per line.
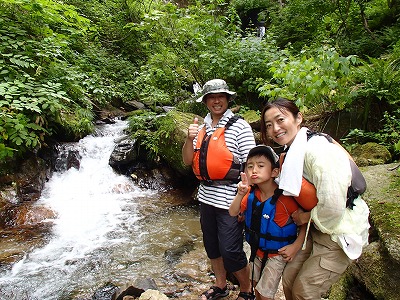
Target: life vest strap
x=270, y=237
x=217, y=182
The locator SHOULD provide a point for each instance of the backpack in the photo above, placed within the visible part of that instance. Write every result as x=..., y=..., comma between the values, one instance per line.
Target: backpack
x=358, y=183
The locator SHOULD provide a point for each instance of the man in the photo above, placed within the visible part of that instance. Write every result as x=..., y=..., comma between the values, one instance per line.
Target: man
x=218, y=168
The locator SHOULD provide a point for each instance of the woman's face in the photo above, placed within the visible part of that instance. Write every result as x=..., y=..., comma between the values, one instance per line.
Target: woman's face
x=281, y=125
x=217, y=104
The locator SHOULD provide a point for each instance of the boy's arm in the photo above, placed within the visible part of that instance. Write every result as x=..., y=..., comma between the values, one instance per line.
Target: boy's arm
x=243, y=187
x=289, y=252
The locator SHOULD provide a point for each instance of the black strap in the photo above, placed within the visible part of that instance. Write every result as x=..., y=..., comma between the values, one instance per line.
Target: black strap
x=254, y=230
x=232, y=120
x=277, y=193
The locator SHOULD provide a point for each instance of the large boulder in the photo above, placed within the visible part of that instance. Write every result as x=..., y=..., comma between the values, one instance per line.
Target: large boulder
x=370, y=154
x=171, y=149
x=378, y=268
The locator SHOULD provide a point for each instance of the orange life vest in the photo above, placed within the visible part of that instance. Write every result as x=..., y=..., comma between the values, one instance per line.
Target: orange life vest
x=307, y=197
x=213, y=163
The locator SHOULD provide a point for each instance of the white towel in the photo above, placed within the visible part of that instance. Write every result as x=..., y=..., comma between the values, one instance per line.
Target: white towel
x=292, y=169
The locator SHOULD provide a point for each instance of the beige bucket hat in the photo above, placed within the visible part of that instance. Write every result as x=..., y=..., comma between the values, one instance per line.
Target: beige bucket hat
x=215, y=86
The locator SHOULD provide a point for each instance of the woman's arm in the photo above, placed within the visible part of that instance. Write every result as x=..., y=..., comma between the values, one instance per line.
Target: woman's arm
x=301, y=217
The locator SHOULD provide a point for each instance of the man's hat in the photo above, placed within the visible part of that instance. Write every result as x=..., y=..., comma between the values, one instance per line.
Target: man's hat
x=216, y=86
x=265, y=150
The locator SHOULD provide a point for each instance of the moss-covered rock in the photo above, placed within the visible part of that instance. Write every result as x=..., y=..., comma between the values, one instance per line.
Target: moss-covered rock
x=251, y=116
x=378, y=268
x=378, y=272
x=174, y=127
x=371, y=154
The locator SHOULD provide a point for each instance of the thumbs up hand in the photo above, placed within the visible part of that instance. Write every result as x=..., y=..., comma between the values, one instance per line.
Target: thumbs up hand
x=193, y=129
x=243, y=185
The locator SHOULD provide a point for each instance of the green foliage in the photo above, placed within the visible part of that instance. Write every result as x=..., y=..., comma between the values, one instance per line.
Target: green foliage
x=156, y=134
x=29, y=102
x=52, y=75
x=311, y=78
x=378, y=80
x=299, y=23
x=142, y=128
x=185, y=44
x=388, y=136
x=245, y=5
x=60, y=62
x=363, y=28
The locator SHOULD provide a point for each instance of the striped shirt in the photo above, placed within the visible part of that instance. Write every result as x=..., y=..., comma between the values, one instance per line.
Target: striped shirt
x=239, y=139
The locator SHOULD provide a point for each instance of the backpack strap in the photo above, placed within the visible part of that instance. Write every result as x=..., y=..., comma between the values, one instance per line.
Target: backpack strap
x=358, y=183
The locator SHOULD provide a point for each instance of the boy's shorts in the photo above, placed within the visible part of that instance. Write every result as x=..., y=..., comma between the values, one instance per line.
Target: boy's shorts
x=268, y=284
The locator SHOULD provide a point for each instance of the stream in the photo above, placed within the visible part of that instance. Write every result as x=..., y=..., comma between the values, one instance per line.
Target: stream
x=107, y=230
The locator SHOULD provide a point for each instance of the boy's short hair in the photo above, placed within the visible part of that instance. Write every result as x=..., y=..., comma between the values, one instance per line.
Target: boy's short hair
x=267, y=151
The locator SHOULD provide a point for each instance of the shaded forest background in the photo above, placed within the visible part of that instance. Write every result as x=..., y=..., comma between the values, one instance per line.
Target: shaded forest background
x=62, y=62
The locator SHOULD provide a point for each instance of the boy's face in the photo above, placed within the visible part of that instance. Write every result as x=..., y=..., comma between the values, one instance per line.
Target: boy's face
x=259, y=169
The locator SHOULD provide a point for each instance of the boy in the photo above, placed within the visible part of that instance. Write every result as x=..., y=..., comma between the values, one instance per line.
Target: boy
x=270, y=230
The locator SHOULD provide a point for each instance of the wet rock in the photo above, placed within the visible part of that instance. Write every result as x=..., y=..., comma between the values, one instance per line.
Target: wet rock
x=31, y=179
x=145, y=283
x=153, y=295
x=137, y=289
x=130, y=291
x=8, y=195
x=68, y=158
x=105, y=293
x=160, y=178
x=123, y=153
x=134, y=105
x=378, y=272
x=174, y=255
x=32, y=215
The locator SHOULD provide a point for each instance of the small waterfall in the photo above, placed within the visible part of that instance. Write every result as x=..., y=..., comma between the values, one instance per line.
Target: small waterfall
x=97, y=236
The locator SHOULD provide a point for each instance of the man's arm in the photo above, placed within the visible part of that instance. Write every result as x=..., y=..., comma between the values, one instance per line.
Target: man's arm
x=187, y=149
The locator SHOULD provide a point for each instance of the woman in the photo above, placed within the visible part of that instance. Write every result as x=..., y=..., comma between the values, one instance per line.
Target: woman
x=338, y=231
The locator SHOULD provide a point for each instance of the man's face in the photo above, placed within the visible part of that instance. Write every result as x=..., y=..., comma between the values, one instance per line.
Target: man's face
x=217, y=104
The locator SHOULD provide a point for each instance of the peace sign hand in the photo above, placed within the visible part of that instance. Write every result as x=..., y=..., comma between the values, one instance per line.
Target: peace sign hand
x=243, y=185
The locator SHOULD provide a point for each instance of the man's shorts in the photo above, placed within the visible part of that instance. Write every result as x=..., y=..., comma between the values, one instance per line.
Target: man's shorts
x=268, y=284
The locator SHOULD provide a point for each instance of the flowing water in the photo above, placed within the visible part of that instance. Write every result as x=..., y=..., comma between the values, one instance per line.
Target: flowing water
x=107, y=229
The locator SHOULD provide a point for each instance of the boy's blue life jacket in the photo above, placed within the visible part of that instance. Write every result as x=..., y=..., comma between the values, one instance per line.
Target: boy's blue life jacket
x=261, y=231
